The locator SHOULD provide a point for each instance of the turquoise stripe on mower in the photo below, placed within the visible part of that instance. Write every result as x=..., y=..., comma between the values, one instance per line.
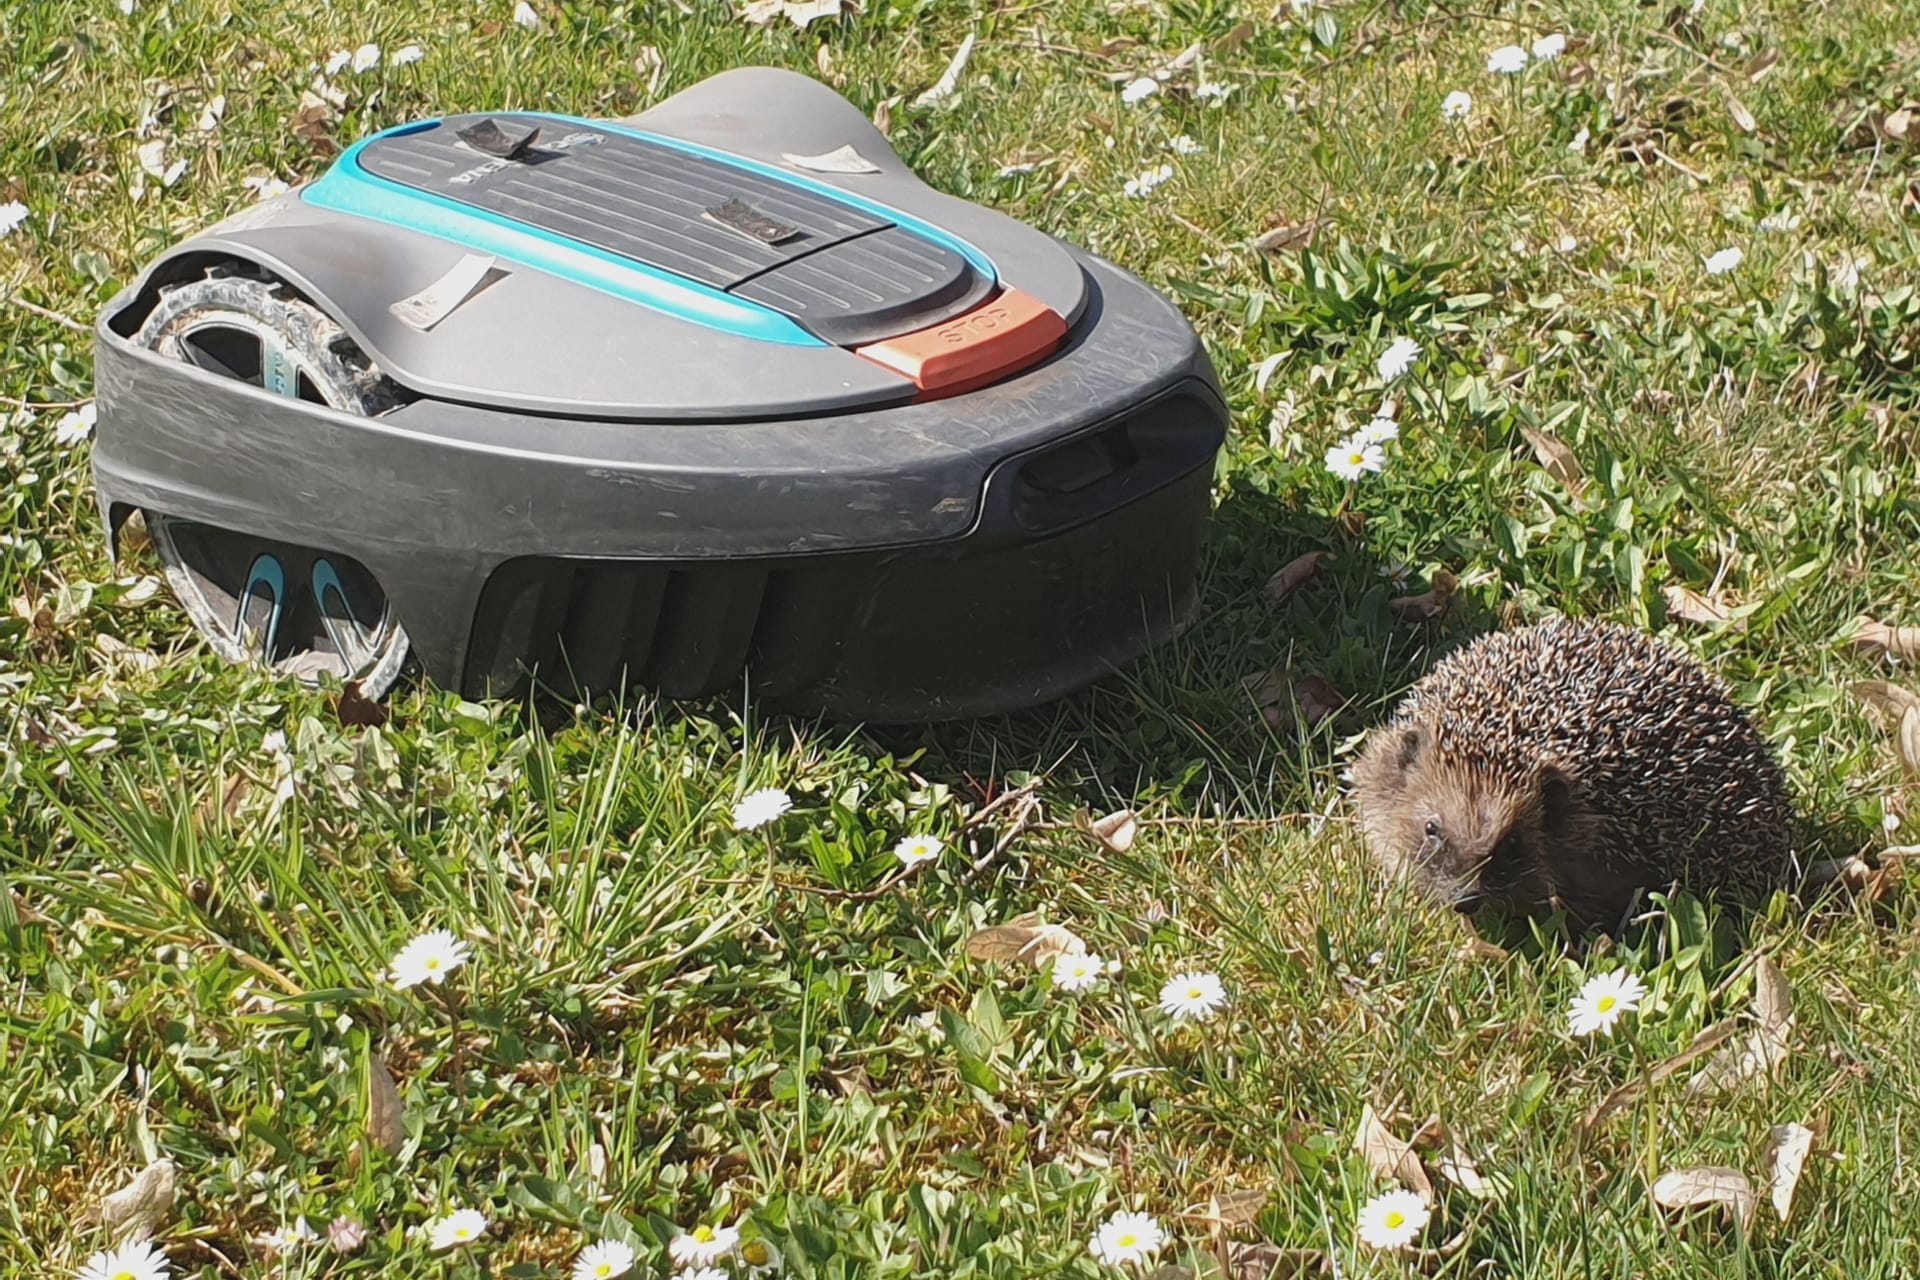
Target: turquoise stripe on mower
x=348, y=188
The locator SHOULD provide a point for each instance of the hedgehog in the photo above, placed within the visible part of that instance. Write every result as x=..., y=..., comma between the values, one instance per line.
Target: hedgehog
x=1573, y=765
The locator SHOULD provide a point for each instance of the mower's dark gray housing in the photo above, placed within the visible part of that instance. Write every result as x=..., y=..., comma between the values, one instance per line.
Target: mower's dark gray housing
x=646, y=447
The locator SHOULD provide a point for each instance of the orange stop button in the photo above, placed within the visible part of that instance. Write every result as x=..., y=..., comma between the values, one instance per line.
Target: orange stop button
x=998, y=338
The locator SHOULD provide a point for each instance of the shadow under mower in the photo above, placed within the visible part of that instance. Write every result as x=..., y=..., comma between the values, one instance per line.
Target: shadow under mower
x=717, y=397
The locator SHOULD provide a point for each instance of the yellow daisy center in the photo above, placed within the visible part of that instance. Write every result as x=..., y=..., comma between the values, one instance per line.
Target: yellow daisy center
x=756, y=1253
x=1396, y=1219
x=1605, y=1003
x=125, y=1275
x=1129, y=1240
x=703, y=1234
x=462, y=1233
x=1194, y=993
x=604, y=1269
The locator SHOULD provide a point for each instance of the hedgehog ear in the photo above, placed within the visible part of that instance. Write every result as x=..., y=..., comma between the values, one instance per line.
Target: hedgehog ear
x=1556, y=798
x=1407, y=750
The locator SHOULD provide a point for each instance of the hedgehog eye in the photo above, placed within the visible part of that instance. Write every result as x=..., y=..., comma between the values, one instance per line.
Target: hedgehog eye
x=1433, y=828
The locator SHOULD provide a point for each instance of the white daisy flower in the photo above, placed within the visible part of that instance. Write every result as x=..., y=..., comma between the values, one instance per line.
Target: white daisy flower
x=1889, y=821
x=603, y=1260
x=760, y=1257
x=1718, y=264
x=1127, y=1237
x=1143, y=185
x=291, y=1239
x=12, y=214
x=1078, y=973
x=1211, y=93
x=141, y=1260
x=457, y=1230
x=703, y=1246
x=1138, y=91
x=1192, y=997
x=702, y=1273
x=757, y=808
x=1398, y=358
x=1351, y=459
x=1184, y=145
x=1381, y=430
x=524, y=15
x=366, y=58
x=1602, y=1001
x=1781, y=222
x=428, y=958
x=128, y=6
x=75, y=426
x=1549, y=47
x=406, y=56
x=338, y=61
x=266, y=186
x=1457, y=105
x=1393, y=1220
x=1508, y=60
x=345, y=1235
x=915, y=850
x=1566, y=244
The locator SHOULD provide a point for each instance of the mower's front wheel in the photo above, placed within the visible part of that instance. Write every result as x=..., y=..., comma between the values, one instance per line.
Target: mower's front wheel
x=301, y=610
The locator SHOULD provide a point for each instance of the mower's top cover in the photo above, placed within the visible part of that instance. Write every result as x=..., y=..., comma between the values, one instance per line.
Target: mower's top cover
x=676, y=265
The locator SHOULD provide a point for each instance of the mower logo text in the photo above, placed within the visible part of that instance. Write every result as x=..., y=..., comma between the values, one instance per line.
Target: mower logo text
x=581, y=138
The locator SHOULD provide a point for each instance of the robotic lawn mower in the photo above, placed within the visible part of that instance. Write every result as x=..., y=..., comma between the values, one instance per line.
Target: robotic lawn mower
x=717, y=397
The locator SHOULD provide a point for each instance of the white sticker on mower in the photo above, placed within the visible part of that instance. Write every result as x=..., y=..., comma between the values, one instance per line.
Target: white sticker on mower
x=443, y=297
x=842, y=160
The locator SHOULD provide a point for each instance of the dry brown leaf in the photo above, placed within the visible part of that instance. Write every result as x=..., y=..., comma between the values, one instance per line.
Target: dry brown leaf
x=1895, y=125
x=1429, y=604
x=1558, y=460
x=1909, y=743
x=1279, y=695
x=1240, y=1207
x=144, y=1206
x=1890, y=698
x=1761, y=63
x=1024, y=939
x=652, y=65
x=1761, y=1051
x=1265, y=1261
x=1237, y=35
x=1294, y=576
x=1389, y=1157
x=1706, y=1185
x=1742, y=118
x=1787, y=1154
x=1703, y=1044
x=1116, y=830
x=386, y=1113
x=763, y=13
x=1689, y=605
x=883, y=112
x=313, y=125
x=1851, y=873
x=1883, y=637
x=823, y=60
x=1286, y=237
x=949, y=82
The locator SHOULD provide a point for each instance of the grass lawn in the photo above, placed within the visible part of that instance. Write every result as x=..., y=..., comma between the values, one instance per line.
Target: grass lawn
x=665, y=1022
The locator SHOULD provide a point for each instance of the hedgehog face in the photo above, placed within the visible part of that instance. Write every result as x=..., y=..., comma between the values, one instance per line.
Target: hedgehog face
x=1466, y=835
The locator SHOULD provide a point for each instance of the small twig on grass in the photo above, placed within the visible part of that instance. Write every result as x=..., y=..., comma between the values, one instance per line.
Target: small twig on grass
x=38, y=405
x=1022, y=823
x=44, y=313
